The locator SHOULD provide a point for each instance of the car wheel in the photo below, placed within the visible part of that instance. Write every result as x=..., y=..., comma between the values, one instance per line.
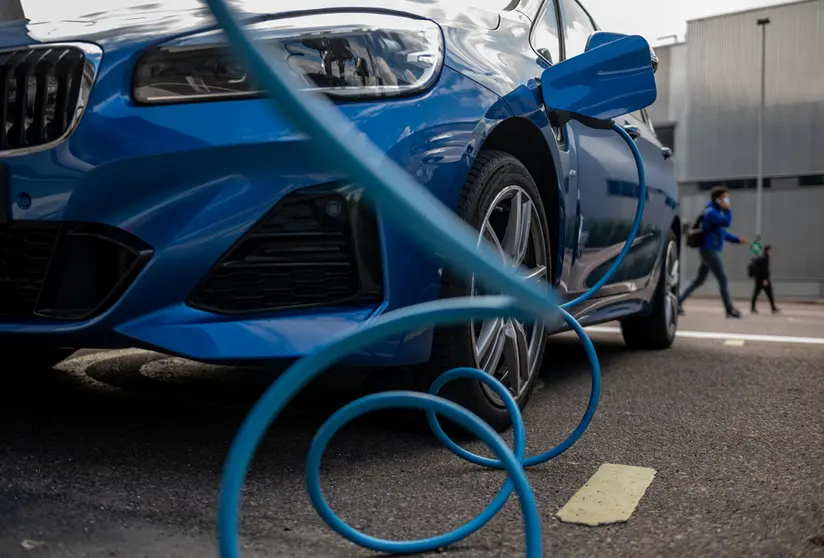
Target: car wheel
x=657, y=330
x=500, y=199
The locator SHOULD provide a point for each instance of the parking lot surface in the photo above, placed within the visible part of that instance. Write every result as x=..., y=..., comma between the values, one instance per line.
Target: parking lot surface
x=120, y=454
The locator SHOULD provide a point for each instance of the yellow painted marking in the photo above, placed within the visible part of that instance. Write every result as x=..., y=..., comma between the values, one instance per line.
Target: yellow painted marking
x=609, y=496
x=734, y=343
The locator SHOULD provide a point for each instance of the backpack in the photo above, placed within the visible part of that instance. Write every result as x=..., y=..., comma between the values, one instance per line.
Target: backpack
x=695, y=233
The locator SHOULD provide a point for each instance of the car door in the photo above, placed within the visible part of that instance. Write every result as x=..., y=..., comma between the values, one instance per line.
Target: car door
x=658, y=168
x=545, y=39
x=607, y=186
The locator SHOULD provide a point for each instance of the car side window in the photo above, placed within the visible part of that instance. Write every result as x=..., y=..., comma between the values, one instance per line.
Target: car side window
x=545, y=35
x=578, y=26
x=643, y=117
x=648, y=120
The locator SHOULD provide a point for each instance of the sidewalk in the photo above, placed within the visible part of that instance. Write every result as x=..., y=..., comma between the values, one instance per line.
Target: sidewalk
x=796, y=319
x=745, y=303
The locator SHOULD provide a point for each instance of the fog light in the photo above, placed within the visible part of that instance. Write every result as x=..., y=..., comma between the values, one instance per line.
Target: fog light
x=333, y=208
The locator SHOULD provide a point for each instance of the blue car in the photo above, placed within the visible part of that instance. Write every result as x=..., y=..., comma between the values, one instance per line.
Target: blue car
x=136, y=211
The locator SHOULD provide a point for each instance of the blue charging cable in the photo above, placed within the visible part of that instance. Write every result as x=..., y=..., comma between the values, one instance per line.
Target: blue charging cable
x=432, y=224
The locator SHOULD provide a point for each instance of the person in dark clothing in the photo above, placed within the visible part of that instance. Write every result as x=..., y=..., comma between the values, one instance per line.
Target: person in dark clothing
x=761, y=275
x=717, y=217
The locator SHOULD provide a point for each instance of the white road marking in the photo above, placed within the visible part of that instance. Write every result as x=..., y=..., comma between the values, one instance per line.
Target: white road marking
x=609, y=496
x=734, y=343
x=725, y=336
x=784, y=311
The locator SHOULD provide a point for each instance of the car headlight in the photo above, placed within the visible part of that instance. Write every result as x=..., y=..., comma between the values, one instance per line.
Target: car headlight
x=344, y=55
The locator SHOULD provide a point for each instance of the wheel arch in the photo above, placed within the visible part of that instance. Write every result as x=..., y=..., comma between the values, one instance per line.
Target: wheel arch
x=676, y=229
x=525, y=141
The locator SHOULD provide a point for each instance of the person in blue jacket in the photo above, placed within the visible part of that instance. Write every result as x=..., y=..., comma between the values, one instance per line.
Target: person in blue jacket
x=717, y=217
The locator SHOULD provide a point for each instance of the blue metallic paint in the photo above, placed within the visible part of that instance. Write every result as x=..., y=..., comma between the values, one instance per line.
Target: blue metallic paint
x=187, y=179
x=575, y=85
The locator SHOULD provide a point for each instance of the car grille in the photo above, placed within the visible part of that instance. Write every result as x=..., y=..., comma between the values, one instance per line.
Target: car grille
x=65, y=271
x=315, y=248
x=40, y=93
x=24, y=260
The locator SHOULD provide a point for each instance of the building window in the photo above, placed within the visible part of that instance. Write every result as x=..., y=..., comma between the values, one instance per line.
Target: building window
x=708, y=185
x=738, y=184
x=666, y=135
x=811, y=180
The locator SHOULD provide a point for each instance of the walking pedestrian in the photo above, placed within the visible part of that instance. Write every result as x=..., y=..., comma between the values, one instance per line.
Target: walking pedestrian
x=761, y=275
x=708, y=233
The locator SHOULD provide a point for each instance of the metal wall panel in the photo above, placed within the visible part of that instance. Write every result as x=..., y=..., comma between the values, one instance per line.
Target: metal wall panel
x=10, y=10
x=659, y=111
x=679, y=91
x=723, y=75
x=671, y=104
x=792, y=225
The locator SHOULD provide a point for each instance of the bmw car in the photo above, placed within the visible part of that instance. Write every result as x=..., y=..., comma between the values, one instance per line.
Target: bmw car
x=150, y=196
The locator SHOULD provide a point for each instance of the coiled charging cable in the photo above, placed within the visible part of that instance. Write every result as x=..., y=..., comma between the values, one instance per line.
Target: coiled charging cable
x=427, y=220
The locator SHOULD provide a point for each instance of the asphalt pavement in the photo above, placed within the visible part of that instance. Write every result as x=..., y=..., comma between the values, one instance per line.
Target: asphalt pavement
x=119, y=454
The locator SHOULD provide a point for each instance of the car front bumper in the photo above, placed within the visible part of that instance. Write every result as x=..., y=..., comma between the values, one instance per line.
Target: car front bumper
x=178, y=187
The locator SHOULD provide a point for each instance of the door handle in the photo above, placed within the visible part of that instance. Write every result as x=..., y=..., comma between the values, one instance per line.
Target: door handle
x=633, y=131
x=666, y=152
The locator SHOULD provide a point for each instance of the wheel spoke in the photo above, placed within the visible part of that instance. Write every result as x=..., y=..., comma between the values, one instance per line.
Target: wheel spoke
x=671, y=309
x=486, y=338
x=492, y=237
x=516, y=356
x=489, y=360
x=535, y=273
x=536, y=342
x=672, y=278
x=516, y=237
x=505, y=348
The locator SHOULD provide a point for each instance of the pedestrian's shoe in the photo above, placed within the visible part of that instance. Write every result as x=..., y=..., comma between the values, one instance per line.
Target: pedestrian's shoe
x=753, y=311
x=776, y=310
x=733, y=313
x=681, y=311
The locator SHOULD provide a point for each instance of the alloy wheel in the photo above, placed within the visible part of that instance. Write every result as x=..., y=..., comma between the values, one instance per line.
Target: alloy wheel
x=671, y=283
x=507, y=348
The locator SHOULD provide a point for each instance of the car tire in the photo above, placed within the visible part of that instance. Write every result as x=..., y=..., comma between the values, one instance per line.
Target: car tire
x=497, y=181
x=656, y=331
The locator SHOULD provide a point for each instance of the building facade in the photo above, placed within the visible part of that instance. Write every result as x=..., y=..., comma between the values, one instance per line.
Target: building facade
x=707, y=112
x=10, y=10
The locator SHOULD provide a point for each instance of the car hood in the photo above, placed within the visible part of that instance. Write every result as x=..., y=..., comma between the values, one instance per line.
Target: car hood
x=124, y=22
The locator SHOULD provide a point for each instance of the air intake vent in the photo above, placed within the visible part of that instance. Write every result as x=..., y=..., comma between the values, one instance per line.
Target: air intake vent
x=43, y=91
x=315, y=248
x=25, y=252
x=65, y=271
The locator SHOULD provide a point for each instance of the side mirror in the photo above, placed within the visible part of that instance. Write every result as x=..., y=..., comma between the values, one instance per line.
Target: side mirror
x=613, y=77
